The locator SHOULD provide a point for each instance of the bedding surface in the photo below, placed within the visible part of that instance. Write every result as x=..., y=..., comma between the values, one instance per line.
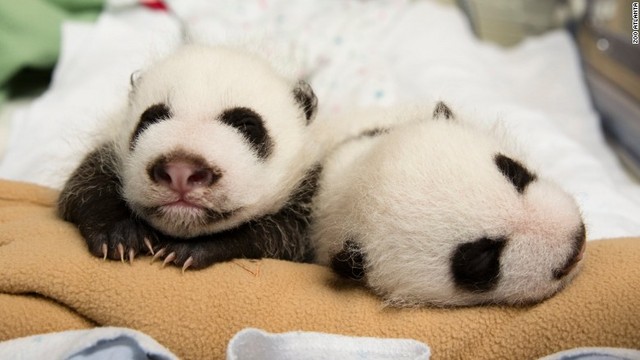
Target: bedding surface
x=50, y=282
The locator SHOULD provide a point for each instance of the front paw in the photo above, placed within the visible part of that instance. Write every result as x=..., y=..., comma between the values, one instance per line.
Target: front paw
x=187, y=255
x=120, y=240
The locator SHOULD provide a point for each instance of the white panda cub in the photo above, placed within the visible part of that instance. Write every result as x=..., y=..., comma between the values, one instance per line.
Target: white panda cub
x=210, y=160
x=438, y=212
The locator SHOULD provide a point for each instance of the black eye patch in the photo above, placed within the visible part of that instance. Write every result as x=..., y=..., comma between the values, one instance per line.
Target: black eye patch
x=374, y=132
x=153, y=114
x=349, y=262
x=515, y=172
x=251, y=126
x=476, y=265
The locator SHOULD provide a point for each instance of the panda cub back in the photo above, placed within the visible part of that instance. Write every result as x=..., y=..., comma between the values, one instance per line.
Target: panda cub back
x=439, y=212
x=211, y=159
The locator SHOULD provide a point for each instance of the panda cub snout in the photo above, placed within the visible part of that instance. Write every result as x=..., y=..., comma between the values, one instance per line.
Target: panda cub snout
x=183, y=181
x=432, y=210
x=183, y=173
x=184, y=187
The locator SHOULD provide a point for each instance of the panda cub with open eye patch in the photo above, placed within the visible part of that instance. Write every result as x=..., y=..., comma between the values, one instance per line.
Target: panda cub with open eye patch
x=211, y=160
x=438, y=212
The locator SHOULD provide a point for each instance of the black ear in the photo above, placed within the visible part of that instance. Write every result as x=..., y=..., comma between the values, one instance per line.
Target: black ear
x=476, y=265
x=306, y=98
x=349, y=262
x=515, y=172
x=442, y=111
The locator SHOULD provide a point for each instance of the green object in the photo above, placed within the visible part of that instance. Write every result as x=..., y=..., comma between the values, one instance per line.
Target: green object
x=30, y=32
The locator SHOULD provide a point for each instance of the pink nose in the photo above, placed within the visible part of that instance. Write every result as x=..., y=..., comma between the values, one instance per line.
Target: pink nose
x=182, y=176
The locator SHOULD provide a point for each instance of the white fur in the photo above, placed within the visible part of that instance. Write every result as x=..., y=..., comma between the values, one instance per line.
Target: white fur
x=411, y=196
x=199, y=83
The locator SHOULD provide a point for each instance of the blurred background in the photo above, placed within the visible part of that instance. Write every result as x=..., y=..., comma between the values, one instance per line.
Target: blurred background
x=602, y=30
x=30, y=45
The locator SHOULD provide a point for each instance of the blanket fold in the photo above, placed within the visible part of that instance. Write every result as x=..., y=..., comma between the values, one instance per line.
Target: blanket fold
x=50, y=282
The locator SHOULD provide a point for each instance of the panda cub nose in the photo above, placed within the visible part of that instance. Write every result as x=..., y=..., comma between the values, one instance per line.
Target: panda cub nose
x=182, y=176
x=579, y=245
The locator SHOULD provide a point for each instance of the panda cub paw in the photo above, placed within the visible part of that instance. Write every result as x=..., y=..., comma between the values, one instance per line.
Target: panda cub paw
x=184, y=254
x=121, y=240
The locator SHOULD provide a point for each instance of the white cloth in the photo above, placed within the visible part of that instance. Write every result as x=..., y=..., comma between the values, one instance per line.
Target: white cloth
x=595, y=353
x=256, y=344
x=101, y=343
x=356, y=53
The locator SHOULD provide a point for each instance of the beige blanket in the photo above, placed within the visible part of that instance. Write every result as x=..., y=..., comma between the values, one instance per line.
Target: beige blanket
x=49, y=282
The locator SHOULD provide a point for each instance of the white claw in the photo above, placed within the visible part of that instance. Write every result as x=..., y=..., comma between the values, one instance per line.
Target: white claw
x=104, y=251
x=147, y=242
x=158, y=255
x=169, y=259
x=132, y=254
x=187, y=263
x=121, y=252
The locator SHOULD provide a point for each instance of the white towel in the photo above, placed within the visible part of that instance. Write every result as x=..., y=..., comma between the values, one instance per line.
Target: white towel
x=256, y=344
x=97, y=344
x=595, y=353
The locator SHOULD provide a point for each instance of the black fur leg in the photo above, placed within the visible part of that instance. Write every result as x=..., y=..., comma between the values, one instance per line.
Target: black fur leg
x=349, y=262
x=92, y=200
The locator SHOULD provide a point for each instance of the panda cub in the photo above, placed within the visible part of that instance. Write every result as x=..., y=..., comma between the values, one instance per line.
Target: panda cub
x=210, y=160
x=438, y=212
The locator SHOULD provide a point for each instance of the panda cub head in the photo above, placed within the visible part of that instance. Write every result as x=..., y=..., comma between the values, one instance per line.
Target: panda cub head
x=440, y=213
x=213, y=137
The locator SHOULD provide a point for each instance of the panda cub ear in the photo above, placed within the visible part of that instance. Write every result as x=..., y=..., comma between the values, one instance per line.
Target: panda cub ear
x=515, y=172
x=134, y=78
x=306, y=99
x=442, y=111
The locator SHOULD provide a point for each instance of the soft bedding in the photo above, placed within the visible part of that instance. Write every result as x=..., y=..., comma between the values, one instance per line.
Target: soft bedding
x=354, y=54
x=49, y=282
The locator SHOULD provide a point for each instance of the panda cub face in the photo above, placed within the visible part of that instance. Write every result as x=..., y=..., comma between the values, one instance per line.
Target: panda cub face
x=214, y=138
x=437, y=212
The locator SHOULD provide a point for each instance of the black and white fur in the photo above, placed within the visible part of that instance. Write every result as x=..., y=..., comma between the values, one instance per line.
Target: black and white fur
x=210, y=160
x=440, y=212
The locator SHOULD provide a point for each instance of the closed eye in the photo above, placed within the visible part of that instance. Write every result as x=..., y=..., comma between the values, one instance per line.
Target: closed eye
x=251, y=127
x=476, y=265
x=153, y=114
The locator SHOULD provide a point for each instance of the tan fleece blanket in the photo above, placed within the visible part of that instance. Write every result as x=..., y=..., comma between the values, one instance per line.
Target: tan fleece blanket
x=49, y=282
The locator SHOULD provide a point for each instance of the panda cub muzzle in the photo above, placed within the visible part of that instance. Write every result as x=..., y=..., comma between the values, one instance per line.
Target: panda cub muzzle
x=576, y=255
x=183, y=179
x=183, y=173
